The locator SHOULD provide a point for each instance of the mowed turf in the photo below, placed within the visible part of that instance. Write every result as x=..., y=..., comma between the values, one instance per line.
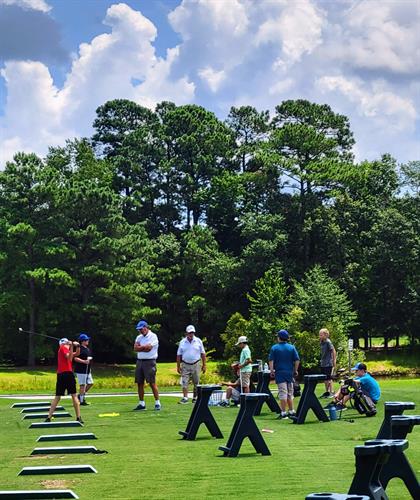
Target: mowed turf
x=148, y=459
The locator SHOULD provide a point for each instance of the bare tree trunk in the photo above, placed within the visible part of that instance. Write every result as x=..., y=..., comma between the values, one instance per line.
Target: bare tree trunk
x=32, y=313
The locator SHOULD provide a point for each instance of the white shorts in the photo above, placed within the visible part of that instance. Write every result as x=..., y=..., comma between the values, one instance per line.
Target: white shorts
x=83, y=380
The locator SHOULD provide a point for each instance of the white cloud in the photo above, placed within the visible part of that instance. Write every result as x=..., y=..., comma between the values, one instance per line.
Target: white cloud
x=281, y=87
x=376, y=101
x=360, y=57
x=297, y=29
x=40, y=5
x=381, y=35
x=39, y=115
x=211, y=77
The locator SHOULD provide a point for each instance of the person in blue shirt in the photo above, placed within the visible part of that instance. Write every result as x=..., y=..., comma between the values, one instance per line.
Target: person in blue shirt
x=368, y=384
x=284, y=364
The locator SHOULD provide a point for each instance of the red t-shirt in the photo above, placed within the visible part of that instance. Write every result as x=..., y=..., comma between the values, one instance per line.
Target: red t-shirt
x=64, y=364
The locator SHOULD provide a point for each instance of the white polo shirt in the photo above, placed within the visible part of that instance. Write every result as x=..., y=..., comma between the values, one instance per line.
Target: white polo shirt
x=190, y=352
x=150, y=338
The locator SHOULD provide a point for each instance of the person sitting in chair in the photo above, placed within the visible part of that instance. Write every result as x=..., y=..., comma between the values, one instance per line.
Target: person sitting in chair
x=365, y=381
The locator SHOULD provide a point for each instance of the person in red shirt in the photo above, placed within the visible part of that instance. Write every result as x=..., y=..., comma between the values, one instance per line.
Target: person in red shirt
x=65, y=377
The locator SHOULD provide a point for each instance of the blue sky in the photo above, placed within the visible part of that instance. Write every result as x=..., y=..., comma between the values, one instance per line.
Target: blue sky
x=61, y=59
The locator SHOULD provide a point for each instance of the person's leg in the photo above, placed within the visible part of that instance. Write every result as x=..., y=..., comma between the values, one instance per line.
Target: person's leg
x=155, y=390
x=185, y=380
x=139, y=380
x=290, y=398
x=150, y=374
x=195, y=375
x=76, y=405
x=246, y=379
x=329, y=380
x=53, y=406
x=60, y=389
x=82, y=392
x=282, y=386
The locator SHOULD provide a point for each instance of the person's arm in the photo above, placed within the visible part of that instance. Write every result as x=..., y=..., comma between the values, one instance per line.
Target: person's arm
x=246, y=362
x=203, y=362
x=73, y=353
x=334, y=358
x=140, y=348
x=80, y=360
x=178, y=363
x=229, y=384
x=296, y=367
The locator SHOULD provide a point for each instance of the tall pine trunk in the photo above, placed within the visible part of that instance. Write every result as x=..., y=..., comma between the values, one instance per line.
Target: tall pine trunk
x=32, y=314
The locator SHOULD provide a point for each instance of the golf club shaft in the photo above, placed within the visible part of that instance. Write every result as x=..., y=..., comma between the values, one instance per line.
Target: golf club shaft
x=38, y=334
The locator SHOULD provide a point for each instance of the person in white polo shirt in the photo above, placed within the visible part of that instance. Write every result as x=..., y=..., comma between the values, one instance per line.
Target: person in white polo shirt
x=190, y=353
x=146, y=346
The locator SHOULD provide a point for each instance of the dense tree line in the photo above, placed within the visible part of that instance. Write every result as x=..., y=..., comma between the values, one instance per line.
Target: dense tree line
x=239, y=226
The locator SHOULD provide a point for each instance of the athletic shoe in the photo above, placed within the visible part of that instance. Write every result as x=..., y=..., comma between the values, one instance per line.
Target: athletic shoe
x=139, y=407
x=325, y=395
x=282, y=415
x=48, y=419
x=291, y=413
x=194, y=400
x=224, y=403
x=79, y=419
x=84, y=403
x=332, y=395
x=157, y=406
x=183, y=401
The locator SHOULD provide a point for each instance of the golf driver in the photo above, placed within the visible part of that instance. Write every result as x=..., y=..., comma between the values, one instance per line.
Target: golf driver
x=21, y=330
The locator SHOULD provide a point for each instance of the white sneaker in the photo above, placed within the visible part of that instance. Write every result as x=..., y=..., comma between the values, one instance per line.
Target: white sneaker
x=183, y=401
x=157, y=406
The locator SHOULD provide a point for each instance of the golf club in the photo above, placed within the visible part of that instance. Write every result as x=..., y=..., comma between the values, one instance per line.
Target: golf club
x=38, y=334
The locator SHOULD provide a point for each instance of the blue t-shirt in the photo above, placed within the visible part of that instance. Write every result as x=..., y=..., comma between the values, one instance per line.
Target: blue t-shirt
x=370, y=386
x=283, y=356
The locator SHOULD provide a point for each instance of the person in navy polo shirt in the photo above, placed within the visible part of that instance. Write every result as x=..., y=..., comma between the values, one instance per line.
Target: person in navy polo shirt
x=190, y=353
x=284, y=364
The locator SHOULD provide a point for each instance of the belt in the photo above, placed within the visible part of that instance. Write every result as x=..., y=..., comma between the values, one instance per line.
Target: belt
x=195, y=362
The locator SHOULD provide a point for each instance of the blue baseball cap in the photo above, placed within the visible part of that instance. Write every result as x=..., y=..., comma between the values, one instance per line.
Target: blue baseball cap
x=283, y=335
x=141, y=324
x=83, y=337
x=359, y=366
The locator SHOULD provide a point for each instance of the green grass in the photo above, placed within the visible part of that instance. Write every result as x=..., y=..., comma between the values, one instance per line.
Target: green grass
x=380, y=342
x=147, y=458
x=107, y=378
x=394, y=363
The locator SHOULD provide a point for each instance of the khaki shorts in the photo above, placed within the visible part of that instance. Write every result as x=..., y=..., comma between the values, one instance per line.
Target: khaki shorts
x=246, y=378
x=145, y=371
x=285, y=390
x=189, y=372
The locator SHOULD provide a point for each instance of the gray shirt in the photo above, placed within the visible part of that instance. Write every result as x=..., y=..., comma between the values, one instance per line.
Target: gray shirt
x=327, y=353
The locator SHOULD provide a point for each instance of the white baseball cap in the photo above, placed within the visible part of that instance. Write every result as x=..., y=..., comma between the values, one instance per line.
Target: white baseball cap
x=190, y=329
x=242, y=340
x=63, y=341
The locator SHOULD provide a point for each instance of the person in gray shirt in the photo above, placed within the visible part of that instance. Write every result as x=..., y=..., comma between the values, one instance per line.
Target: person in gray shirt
x=328, y=361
